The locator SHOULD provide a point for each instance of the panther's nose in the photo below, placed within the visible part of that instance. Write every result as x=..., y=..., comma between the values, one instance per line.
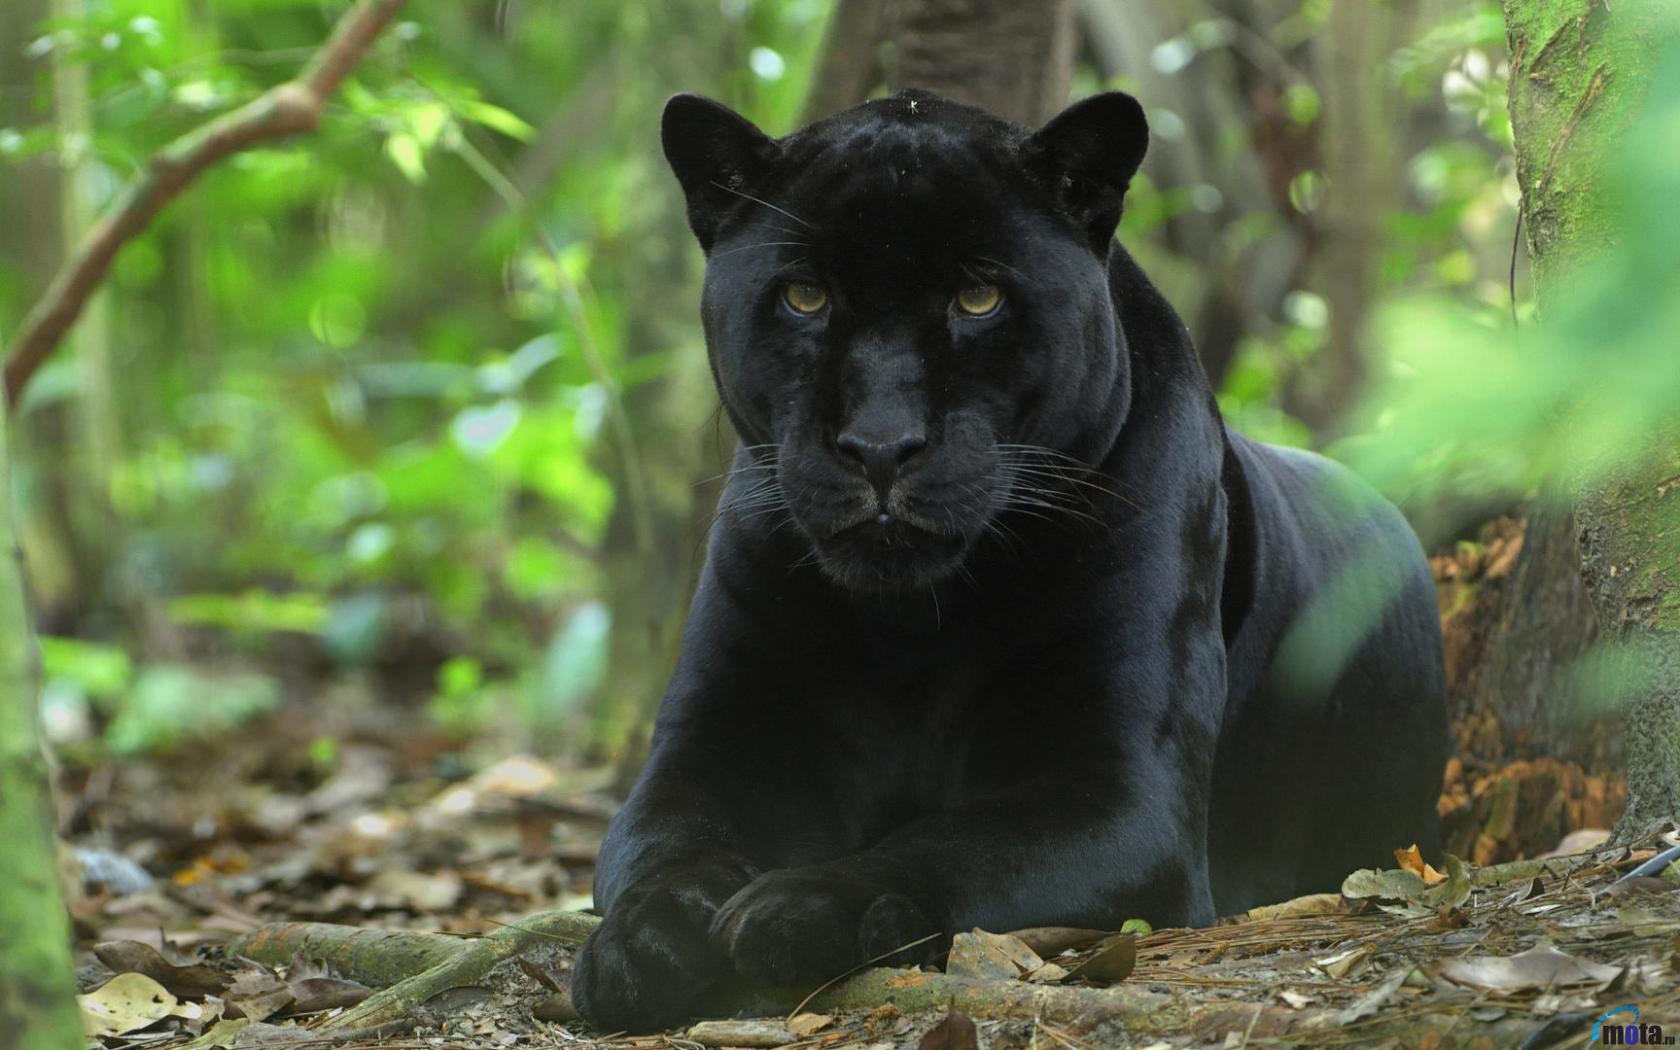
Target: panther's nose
x=881, y=454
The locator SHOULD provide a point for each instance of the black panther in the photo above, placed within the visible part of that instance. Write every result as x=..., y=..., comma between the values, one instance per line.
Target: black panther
x=999, y=625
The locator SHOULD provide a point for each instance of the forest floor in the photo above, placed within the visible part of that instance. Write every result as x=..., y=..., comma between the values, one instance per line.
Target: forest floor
x=388, y=828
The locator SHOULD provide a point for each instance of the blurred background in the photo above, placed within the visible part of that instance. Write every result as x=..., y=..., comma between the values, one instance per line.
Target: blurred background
x=398, y=438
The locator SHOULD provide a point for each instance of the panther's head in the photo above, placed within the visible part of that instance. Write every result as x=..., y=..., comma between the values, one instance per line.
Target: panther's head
x=908, y=316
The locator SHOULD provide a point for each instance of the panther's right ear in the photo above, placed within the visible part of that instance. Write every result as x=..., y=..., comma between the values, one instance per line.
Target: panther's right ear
x=716, y=154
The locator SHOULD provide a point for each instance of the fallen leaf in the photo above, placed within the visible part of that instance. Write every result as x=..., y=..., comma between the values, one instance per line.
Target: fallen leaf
x=258, y=995
x=557, y=1007
x=803, y=1025
x=221, y=1034
x=955, y=1032
x=1541, y=967
x=1295, y=1000
x=741, y=1033
x=315, y=994
x=259, y=1033
x=1454, y=888
x=127, y=1002
x=1053, y=940
x=1397, y=884
x=1372, y=1001
x=1411, y=859
x=189, y=981
x=1114, y=961
x=1299, y=907
x=990, y=955
x=415, y=890
x=1343, y=964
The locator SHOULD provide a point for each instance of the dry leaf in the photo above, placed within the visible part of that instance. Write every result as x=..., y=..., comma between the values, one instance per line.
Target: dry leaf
x=1295, y=1000
x=990, y=955
x=741, y=1033
x=1372, y=1001
x=1396, y=884
x=955, y=1032
x=189, y=981
x=1113, y=961
x=1342, y=964
x=1411, y=859
x=258, y=995
x=128, y=1002
x=1541, y=967
x=1311, y=904
x=315, y=994
x=804, y=1025
x=221, y=1034
x=1054, y=940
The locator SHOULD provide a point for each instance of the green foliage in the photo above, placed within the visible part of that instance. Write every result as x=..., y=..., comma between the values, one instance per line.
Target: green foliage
x=366, y=380
x=368, y=397
x=1471, y=403
x=154, y=708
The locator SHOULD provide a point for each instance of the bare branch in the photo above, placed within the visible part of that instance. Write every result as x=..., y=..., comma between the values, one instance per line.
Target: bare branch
x=284, y=110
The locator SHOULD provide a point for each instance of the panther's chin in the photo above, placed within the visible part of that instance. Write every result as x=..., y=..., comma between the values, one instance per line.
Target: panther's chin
x=889, y=554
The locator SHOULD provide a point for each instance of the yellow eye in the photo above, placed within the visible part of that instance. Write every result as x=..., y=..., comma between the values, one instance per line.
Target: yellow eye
x=980, y=300
x=804, y=298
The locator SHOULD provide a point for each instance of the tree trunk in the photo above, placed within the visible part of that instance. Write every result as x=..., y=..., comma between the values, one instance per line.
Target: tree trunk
x=851, y=58
x=1360, y=138
x=37, y=986
x=1011, y=58
x=1579, y=71
x=1523, y=681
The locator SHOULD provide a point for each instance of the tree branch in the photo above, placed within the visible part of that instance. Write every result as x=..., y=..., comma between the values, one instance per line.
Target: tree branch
x=284, y=110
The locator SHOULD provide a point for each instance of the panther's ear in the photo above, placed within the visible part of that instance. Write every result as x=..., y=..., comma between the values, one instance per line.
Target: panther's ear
x=716, y=153
x=1087, y=156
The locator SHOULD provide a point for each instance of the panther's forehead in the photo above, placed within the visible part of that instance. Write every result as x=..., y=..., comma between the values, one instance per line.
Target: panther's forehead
x=903, y=188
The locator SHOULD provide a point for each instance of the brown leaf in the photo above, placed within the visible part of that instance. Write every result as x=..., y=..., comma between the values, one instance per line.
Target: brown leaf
x=557, y=1007
x=314, y=994
x=1344, y=964
x=990, y=955
x=257, y=995
x=955, y=1032
x=758, y=1033
x=1411, y=859
x=1311, y=904
x=1114, y=961
x=807, y=1024
x=186, y=982
x=1541, y=967
x=1054, y=940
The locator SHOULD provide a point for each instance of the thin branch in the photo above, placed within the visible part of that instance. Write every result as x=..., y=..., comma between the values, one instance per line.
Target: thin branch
x=284, y=110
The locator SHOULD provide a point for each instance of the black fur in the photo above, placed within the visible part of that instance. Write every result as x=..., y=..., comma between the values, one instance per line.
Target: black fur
x=999, y=626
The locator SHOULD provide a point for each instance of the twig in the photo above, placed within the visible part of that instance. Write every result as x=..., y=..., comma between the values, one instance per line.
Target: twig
x=282, y=111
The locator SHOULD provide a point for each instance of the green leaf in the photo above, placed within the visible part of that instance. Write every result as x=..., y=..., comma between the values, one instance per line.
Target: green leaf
x=405, y=152
x=496, y=119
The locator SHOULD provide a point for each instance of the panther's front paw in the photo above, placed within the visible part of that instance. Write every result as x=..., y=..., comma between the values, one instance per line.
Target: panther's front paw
x=650, y=963
x=800, y=926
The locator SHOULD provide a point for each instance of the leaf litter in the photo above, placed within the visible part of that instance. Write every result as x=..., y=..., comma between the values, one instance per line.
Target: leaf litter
x=389, y=840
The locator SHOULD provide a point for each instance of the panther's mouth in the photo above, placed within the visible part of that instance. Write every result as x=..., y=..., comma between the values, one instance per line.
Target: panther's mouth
x=889, y=552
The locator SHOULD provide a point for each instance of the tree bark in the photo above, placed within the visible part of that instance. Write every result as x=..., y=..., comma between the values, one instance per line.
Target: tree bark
x=1579, y=71
x=1010, y=58
x=37, y=984
x=1544, y=622
x=851, y=58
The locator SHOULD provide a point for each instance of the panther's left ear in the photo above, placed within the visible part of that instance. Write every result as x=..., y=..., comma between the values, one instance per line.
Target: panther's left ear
x=1086, y=158
x=716, y=153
